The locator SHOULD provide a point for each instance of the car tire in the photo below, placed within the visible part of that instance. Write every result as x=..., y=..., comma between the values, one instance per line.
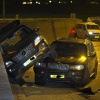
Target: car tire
x=40, y=79
x=86, y=37
x=99, y=39
x=95, y=73
x=85, y=79
x=20, y=81
x=75, y=36
x=53, y=54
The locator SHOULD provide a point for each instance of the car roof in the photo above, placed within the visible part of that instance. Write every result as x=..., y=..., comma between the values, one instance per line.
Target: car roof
x=88, y=23
x=72, y=40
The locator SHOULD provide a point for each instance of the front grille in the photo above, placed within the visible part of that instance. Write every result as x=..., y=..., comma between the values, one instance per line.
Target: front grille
x=95, y=33
x=58, y=66
x=23, y=53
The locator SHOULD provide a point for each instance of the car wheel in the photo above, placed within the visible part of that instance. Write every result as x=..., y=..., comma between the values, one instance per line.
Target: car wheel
x=40, y=79
x=20, y=81
x=53, y=54
x=99, y=39
x=95, y=73
x=85, y=78
x=75, y=36
x=86, y=37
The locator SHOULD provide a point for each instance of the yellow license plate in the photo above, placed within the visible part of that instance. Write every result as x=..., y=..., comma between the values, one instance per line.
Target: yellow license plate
x=57, y=76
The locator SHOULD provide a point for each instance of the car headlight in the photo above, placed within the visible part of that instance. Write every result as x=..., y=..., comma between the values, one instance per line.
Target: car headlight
x=8, y=63
x=76, y=67
x=40, y=64
x=37, y=40
x=42, y=46
x=90, y=32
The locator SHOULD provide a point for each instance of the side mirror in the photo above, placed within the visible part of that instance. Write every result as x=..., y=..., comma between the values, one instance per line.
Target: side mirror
x=92, y=54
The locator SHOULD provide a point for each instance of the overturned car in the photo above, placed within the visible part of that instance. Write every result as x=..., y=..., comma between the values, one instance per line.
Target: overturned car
x=22, y=48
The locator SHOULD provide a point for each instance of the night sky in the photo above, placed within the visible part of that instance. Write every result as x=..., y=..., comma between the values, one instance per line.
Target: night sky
x=64, y=9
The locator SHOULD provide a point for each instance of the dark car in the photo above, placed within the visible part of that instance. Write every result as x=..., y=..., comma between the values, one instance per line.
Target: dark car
x=76, y=63
x=22, y=48
x=8, y=27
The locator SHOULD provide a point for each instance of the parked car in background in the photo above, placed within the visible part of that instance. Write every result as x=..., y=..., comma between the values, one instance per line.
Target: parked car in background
x=22, y=48
x=76, y=63
x=86, y=30
x=94, y=19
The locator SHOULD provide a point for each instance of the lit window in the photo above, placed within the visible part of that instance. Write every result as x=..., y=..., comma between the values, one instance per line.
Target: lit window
x=94, y=2
x=27, y=2
x=50, y=1
x=24, y=3
x=37, y=2
x=59, y=1
x=71, y=1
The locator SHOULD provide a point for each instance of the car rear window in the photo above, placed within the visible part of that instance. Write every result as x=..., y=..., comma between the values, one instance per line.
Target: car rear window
x=68, y=49
x=14, y=40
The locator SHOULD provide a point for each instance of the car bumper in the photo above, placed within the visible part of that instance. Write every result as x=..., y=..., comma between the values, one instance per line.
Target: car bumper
x=69, y=77
x=96, y=36
x=17, y=69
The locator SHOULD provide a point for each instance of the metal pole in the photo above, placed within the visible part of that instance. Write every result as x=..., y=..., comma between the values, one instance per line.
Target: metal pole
x=3, y=9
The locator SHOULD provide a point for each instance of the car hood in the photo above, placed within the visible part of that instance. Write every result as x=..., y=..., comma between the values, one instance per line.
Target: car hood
x=71, y=59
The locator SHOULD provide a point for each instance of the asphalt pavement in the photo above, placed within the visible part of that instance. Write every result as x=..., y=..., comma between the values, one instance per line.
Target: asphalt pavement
x=9, y=90
x=52, y=91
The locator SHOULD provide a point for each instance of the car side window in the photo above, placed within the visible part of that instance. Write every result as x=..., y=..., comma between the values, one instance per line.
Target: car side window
x=84, y=28
x=79, y=26
x=15, y=39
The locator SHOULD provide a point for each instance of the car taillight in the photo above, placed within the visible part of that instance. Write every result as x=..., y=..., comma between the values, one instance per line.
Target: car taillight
x=72, y=31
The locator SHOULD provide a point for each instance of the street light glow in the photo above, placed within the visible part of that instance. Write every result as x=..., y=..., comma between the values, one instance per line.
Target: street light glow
x=50, y=1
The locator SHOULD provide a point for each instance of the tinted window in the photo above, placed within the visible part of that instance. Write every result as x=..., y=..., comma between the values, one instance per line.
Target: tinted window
x=92, y=27
x=79, y=26
x=17, y=37
x=84, y=28
x=66, y=49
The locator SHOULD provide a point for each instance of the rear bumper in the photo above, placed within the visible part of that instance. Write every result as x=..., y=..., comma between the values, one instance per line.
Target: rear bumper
x=94, y=36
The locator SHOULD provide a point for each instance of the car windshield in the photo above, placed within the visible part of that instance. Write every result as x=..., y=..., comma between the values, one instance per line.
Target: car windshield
x=70, y=49
x=93, y=27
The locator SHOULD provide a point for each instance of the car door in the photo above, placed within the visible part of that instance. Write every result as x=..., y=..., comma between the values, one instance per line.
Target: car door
x=79, y=30
x=84, y=31
x=91, y=57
